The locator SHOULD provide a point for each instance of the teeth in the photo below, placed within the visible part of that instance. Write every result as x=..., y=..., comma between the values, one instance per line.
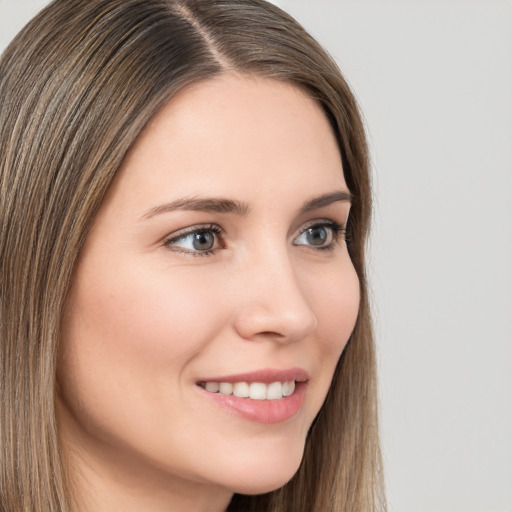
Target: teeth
x=226, y=388
x=274, y=391
x=258, y=391
x=212, y=386
x=254, y=390
x=241, y=389
x=288, y=387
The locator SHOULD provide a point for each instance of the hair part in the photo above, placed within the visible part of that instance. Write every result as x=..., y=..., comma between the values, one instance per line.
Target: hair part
x=79, y=84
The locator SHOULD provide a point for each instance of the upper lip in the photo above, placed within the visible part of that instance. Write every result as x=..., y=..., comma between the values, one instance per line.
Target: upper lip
x=265, y=376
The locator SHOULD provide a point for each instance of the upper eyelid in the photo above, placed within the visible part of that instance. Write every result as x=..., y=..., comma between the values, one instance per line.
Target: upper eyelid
x=320, y=222
x=182, y=233
x=176, y=235
x=335, y=226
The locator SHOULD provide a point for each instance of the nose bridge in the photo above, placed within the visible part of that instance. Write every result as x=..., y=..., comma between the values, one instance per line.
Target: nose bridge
x=274, y=303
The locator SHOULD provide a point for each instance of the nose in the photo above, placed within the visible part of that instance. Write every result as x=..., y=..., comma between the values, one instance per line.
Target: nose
x=273, y=304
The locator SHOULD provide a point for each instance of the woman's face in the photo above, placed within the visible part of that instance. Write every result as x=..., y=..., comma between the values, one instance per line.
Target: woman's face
x=217, y=260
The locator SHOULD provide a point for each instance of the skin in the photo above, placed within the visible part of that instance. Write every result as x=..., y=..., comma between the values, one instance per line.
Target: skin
x=147, y=319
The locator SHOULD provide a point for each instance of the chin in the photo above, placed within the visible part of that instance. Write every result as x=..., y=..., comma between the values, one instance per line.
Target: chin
x=269, y=474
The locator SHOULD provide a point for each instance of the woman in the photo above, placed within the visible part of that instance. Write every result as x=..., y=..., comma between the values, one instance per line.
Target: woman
x=177, y=297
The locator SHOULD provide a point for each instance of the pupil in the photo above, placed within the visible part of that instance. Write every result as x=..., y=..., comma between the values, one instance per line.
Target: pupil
x=203, y=241
x=317, y=236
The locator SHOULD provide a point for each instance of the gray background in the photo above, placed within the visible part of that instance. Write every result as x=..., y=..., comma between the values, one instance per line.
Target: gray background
x=434, y=79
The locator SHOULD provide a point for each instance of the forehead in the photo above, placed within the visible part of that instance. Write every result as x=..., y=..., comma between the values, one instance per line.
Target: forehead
x=235, y=135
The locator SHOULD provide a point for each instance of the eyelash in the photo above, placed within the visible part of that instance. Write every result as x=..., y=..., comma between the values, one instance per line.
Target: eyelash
x=335, y=228
x=210, y=228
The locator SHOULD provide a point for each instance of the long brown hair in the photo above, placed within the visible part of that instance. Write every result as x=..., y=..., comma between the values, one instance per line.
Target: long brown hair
x=77, y=86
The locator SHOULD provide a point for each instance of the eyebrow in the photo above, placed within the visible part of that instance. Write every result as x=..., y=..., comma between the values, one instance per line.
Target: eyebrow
x=220, y=205
x=214, y=205
x=325, y=200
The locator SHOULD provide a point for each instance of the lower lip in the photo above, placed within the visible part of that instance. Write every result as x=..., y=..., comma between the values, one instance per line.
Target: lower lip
x=262, y=411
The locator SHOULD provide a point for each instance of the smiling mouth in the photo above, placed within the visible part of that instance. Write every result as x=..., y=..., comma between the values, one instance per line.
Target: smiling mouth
x=263, y=396
x=254, y=390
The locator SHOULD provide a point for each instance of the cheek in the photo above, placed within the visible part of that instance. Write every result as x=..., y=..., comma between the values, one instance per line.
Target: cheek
x=126, y=342
x=126, y=352
x=145, y=316
x=337, y=307
x=335, y=298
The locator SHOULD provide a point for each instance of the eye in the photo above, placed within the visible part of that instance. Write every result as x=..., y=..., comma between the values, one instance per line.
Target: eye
x=322, y=235
x=198, y=241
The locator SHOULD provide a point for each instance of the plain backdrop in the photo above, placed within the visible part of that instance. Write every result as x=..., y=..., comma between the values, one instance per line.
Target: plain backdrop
x=434, y=80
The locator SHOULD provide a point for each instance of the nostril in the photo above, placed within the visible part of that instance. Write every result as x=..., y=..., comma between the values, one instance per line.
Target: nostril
x=271, y=333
